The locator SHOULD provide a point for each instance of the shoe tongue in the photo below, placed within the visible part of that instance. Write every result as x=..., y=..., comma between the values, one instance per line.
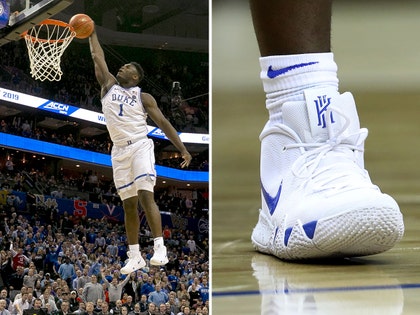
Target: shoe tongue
x=309, y=118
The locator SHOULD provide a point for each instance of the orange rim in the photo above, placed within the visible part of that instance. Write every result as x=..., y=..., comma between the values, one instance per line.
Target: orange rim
x=49, y=22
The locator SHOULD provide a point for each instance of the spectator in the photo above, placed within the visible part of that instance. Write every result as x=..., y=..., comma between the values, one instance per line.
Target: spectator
x=48, y=300
x=84, y=279
x=173, y=279
x=129, y=303
x=98, y=306
x=182, y=292
x=112, y=250
x=67, y=272
x=35, y=309
x=186, y=310
x=76, y=279
x=173, y=302
x=93, y=290
x=3, y=309
x=133, y=287
x=143, y=303
x=90, y=307
x=105, y=309
x=151, y=309
x=148, y=287
x=136, y=310
x=82, y=308
x=20, y=304
x=192, y=245
x=47, y=281
x=163, y=310
x=64, y=308
x=158, y=296
x=194, y=295
x=64, y=297
x=3, y=296
x=16, y=281
x=18, y=258
x=116, y=310
x=204, y=289
x=73, y=301
x=114, y=287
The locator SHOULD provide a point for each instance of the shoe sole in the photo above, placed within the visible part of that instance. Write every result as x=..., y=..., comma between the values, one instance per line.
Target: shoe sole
x=355, y=233
x=158, y=262
x=126, y=272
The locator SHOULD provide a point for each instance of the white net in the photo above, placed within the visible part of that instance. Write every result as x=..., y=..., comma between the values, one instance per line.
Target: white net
x=46, y=43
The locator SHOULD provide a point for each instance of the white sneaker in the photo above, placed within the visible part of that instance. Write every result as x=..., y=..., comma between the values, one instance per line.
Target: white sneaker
x=134, y=262
x=159, y=257
x=318, y=200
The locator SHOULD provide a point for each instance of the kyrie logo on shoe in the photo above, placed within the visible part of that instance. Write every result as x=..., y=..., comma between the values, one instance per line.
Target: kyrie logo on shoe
x=271, y=201
x=322, y=103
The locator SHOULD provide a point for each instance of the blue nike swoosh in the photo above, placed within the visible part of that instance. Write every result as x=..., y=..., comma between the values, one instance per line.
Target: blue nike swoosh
x=275, y=73
x=271, y=201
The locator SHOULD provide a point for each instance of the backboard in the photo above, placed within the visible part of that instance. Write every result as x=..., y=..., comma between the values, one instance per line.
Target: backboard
x=29, y=16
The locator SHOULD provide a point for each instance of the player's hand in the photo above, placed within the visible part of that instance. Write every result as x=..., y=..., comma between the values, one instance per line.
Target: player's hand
x=187, y=160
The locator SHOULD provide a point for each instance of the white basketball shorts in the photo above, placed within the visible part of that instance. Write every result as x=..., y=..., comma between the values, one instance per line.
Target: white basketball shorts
x=134, y=168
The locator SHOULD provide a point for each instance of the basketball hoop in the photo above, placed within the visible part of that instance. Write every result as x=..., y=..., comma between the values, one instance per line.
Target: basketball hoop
x=46, y=43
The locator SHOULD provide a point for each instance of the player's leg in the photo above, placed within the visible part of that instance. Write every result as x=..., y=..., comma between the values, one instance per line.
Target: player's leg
x=127, y=190
x=131, y=219
x=292, y=27
x=154, y=220
x=317, y=199
x=132, y=228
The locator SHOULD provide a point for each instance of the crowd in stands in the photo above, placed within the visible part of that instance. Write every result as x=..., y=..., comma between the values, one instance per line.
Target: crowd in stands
x=72, y=265
x=188, y=110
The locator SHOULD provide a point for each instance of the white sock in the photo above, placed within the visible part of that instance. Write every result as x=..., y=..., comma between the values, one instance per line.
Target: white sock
x=158, y=241
x=286, y=77
x=135, y=248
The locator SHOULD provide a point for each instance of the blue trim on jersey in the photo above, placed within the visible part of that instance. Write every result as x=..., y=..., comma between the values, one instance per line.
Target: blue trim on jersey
x=138, y=177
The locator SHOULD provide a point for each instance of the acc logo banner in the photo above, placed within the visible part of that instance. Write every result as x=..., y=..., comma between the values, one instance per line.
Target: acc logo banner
x=157, y=133
x=58, y=108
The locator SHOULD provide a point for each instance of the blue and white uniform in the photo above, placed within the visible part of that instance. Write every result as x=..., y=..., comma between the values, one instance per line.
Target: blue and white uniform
x=133, y=159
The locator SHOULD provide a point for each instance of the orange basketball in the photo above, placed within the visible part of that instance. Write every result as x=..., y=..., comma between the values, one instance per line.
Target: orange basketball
x=83, y=25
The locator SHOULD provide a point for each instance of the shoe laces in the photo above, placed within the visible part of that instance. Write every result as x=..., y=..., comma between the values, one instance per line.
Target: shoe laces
x=131, y=254
x=332, y=164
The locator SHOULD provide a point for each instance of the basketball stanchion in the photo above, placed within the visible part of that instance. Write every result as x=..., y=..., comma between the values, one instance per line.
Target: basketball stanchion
x=46, y=43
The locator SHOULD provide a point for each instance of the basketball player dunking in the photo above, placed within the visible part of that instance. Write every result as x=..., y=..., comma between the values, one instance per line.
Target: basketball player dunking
x=125, y=109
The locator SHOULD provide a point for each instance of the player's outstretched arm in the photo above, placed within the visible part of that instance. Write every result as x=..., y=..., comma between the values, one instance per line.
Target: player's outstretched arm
x=104, y=77
x=155, y=113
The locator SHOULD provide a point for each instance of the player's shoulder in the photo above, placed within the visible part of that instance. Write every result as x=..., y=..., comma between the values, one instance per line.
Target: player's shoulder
x=147, y=98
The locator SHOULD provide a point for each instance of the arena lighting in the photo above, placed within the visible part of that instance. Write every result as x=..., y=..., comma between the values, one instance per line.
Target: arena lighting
x=86, y=115
x=65, y=152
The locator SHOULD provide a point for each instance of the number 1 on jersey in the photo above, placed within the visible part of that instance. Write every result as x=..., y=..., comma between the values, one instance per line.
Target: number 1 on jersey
x=121, y=110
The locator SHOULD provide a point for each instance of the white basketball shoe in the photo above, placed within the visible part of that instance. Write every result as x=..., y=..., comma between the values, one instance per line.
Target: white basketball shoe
x=317, y=199
x=133, y=263
x=160, y=256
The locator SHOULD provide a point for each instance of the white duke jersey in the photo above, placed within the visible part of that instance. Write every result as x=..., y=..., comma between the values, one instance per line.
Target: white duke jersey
x=124, y=114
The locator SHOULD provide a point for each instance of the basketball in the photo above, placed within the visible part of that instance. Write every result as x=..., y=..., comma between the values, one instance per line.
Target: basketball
x=83, y=25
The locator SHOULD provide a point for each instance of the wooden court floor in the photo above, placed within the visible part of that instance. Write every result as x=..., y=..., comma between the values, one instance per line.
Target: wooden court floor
x=245, y=282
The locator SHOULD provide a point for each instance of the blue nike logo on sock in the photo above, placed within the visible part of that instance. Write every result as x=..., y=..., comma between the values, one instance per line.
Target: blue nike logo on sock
x=271, y=201
x=275, y=73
